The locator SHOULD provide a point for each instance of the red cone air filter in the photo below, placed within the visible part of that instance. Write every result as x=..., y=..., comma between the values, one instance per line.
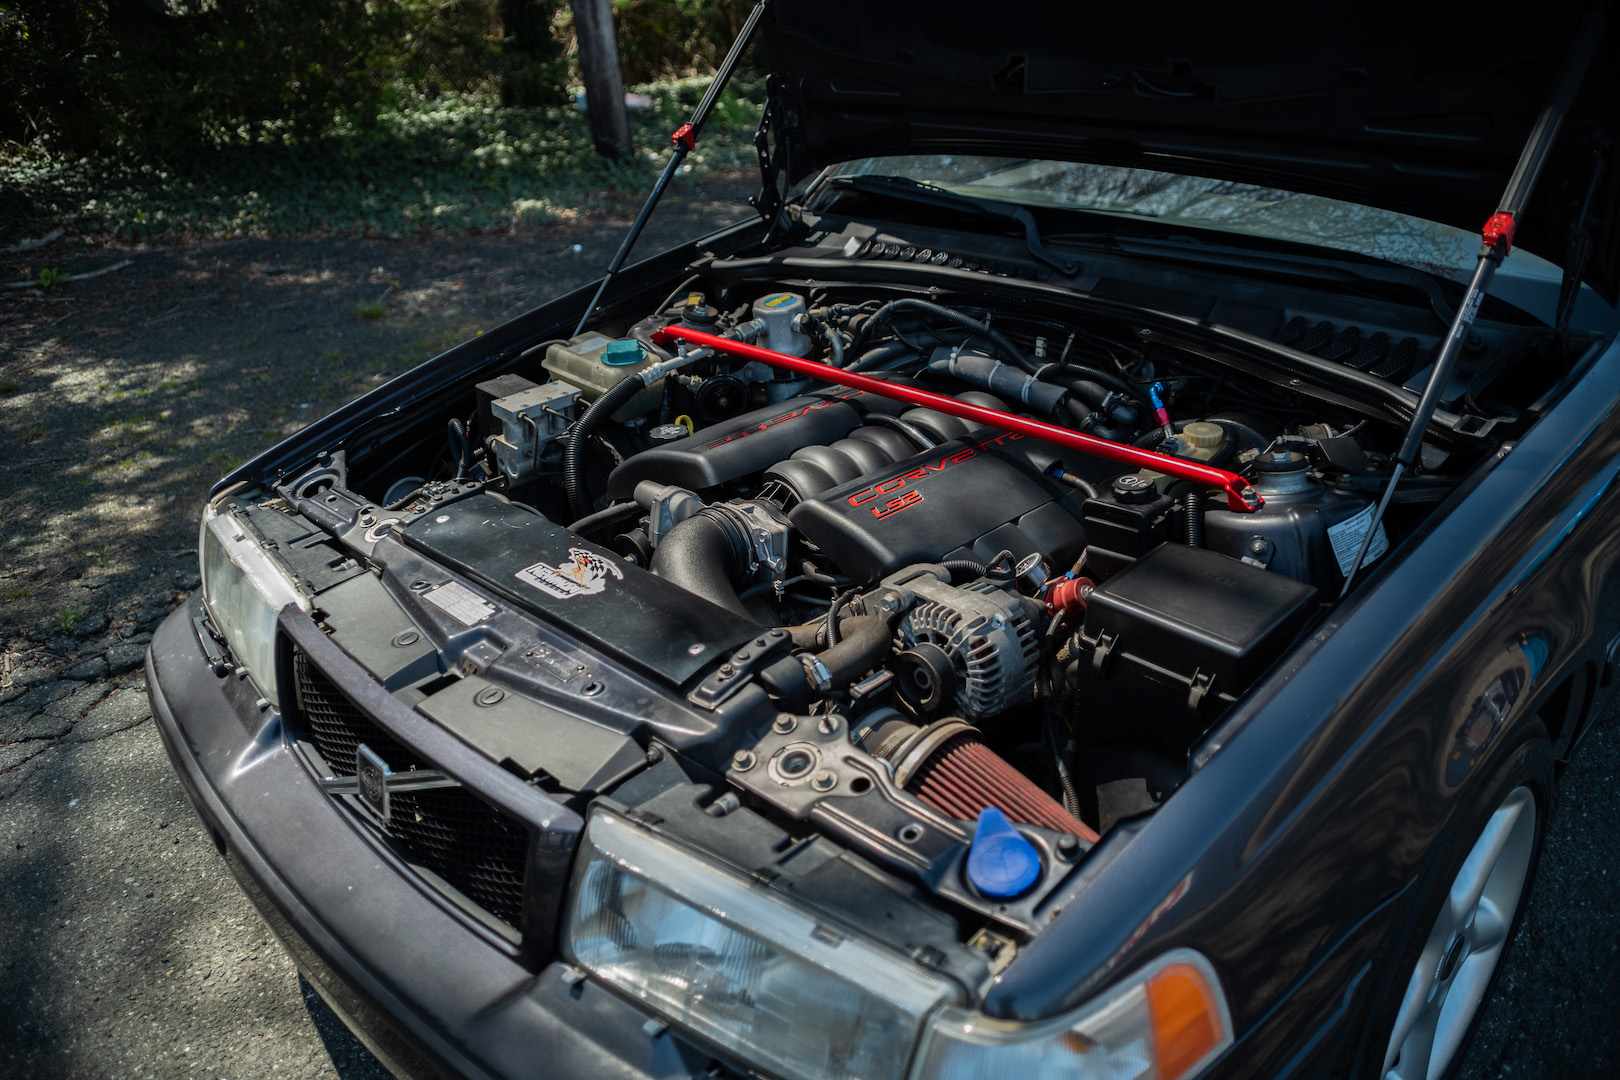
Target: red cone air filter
x=961, y=776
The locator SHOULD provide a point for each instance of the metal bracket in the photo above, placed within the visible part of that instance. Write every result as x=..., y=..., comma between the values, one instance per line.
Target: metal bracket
x=210, y=642
x=735, y=672
x=774, y=141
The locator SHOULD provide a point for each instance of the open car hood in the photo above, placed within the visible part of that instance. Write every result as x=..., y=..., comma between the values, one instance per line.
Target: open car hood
x=1417, y=108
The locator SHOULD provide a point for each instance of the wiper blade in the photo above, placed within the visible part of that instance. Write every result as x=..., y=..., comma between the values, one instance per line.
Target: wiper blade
x=907, y=190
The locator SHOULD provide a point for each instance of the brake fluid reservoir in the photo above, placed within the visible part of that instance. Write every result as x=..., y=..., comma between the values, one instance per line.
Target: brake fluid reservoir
x=596, y=363
x=1305, y=530
x=1200, y=440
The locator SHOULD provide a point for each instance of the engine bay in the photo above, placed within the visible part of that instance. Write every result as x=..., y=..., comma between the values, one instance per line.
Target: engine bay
x=862, y=618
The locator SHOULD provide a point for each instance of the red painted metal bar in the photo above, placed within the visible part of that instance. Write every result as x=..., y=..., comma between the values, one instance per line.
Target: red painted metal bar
x=1239, y=494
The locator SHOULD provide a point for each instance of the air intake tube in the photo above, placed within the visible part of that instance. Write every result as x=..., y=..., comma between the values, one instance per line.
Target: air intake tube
x=705, y=554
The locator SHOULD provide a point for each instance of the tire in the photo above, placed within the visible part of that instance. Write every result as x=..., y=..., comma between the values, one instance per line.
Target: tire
x=1473, y=898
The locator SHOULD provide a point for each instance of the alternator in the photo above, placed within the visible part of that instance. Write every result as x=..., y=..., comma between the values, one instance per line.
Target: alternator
x=971, y=645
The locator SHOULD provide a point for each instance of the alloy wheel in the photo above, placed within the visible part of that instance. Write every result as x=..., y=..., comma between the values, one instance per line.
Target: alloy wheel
x=1454, y=969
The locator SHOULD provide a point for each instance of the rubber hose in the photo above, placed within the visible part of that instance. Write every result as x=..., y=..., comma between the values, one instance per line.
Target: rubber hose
x=964, y=566
x=591, y=521
x=911, y=303
x=1071, y=795
x=573, y=456
x=1192, y=506
x=701, y=555
x=864, y=644
x=880, y=355
x=834, y=608
x=1113, y=382
x=835, y=344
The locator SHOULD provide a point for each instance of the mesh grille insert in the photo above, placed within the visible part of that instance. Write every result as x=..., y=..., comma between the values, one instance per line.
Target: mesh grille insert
x=476, y=848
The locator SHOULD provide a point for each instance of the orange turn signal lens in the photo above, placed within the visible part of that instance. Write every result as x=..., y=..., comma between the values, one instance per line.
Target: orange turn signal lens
x=1186, y=1019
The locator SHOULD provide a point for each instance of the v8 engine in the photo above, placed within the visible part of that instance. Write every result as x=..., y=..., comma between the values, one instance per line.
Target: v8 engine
x=986, y=610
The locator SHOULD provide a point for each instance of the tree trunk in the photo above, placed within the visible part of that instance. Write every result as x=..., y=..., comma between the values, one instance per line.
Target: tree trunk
x=604, y=87
x=533, y=65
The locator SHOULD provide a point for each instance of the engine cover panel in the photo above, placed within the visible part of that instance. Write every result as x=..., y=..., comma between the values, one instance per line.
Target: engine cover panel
x=742, y=445
x=931, y=504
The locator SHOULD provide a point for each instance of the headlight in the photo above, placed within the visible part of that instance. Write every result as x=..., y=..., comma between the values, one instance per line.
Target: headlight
x=245, y=590
x=721, y=957
x=1165, y=1022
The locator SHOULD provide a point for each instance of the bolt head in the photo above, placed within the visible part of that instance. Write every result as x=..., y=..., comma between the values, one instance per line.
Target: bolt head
x=825, y=780
x=743, y=760
x=785, y=723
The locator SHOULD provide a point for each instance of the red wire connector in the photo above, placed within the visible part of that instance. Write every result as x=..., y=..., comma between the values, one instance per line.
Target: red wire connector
x=1498, y=231
x=1240, y=495
x=682, y=136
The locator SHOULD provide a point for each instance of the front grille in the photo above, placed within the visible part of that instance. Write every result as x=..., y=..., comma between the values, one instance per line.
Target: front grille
x=474, y=847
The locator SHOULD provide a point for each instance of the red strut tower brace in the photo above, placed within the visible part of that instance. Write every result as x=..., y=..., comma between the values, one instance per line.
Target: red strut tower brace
x=1240, y=495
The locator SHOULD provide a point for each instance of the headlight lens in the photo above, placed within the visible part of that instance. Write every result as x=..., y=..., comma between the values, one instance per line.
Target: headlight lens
x=245, y=591
x=723, y=958
x=1165, y=1022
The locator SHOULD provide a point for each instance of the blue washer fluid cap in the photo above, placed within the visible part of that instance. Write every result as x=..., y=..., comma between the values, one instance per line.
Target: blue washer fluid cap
x=1001, y=863
x=623, y=353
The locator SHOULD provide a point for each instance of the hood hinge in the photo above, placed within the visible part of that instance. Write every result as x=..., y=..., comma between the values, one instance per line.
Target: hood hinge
x=776, y=140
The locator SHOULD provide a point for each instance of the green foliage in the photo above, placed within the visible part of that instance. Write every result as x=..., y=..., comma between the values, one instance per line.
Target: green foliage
x=457, y=161
x=165, y=78
x=69, y=617
x=50, y=279
x=664, y=39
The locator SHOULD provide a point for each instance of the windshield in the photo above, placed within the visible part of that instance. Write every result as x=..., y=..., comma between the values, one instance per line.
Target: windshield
x=1525, y=280
x=1194, y=201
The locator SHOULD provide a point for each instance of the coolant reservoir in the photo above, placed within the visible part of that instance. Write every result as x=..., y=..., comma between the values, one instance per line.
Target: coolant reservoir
x=1306, y=530
x=595, y=363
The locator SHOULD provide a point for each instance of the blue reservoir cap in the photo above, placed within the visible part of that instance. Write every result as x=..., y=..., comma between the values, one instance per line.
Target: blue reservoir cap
x=1001, y=863
x=623, y=353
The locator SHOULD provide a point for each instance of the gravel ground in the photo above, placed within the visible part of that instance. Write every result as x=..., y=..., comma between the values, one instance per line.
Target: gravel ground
x=125, y=947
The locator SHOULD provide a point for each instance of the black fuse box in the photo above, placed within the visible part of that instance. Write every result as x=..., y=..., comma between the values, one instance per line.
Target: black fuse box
x=1179, y=636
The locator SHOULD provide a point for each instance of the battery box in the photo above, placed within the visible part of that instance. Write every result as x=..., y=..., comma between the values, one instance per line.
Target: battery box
x=1179, y=636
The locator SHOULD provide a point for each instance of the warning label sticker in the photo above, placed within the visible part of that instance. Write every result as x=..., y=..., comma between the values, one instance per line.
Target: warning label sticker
x=1346, y=539
x=460, y=603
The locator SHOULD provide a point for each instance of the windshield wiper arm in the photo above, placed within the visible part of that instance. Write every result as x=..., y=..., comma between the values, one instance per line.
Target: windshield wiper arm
x=907, y=190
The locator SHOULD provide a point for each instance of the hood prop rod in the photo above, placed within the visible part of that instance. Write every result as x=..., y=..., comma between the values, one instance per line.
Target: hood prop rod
x=1496, y=243
x=1240, y=496
x=684, y=141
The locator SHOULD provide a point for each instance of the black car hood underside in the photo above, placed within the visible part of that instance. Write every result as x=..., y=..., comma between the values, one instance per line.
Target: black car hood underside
x=1418, y=108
